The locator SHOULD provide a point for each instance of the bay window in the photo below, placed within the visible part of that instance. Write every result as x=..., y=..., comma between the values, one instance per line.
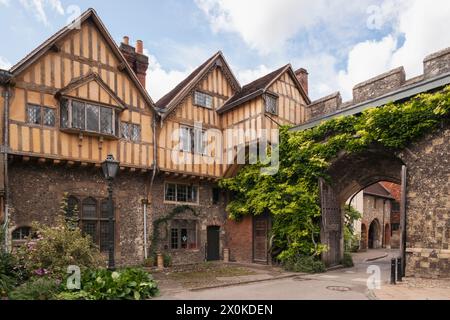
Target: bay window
x=87, y=117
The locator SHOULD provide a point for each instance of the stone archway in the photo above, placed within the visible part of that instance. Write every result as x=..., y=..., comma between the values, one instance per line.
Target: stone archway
x=349, y=174
x=422, y=168
x=374, y=239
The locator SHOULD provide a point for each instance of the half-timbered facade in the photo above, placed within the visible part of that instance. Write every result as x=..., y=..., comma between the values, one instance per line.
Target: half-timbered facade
x=79, y=97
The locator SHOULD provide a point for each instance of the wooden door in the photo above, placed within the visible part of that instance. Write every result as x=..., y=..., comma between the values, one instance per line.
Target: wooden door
x=260, y=239
x=213, y=243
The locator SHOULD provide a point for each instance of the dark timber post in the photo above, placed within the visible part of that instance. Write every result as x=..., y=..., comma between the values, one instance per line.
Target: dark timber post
x=399, y=269
x=403, y=221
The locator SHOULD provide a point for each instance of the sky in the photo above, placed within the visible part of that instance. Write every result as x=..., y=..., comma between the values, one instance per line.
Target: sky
x=339, y=42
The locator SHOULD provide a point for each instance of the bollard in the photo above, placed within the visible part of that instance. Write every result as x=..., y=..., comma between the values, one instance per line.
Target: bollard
x=226, y=255
x=399, y=269
x=393, y=267
x=160, y=261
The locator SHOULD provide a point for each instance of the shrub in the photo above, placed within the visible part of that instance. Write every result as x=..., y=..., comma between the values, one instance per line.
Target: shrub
x=36, y=289
x=126, y=284
x=58, y=247
x=302, y=263
x=167, y=260
x=11, y=274
x=149, y=262
x=347, y=261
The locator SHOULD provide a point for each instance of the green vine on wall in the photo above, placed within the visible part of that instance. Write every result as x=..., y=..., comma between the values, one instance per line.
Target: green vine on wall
x=156, y=224
x=292, y=195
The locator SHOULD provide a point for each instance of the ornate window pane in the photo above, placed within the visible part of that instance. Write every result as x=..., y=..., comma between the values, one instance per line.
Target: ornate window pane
x=64, y=109
x=92, y=114
x=33, y=114
x=170, y=192
x=125, y=131
x=136, y=132
x=89, y=208
x=104, y=236
x=106, y=120
x=271, y=104
x=203, y=100
x=181, y=193
x=185, y=139
x=78, y=115
x=21, y=233
x=72, y=206
x=90, y=228
x=104, y=209
x=49, y=117
x=174, y=239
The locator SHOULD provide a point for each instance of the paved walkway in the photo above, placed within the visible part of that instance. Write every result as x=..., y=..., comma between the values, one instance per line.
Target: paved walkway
x=415, y=289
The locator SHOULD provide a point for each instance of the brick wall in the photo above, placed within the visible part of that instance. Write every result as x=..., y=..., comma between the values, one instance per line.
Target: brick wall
x=239, y=239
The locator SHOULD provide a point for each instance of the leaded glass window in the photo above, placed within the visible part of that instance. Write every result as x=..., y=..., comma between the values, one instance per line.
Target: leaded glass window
x=183, y=234
x=92, y=118
x=49, y=117
x=271, y=104
x=33, y=114
x=203, y=100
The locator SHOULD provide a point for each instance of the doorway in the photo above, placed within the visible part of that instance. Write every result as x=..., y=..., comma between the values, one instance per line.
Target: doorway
x=374, y=235
x=260, y=239
x=213, y=243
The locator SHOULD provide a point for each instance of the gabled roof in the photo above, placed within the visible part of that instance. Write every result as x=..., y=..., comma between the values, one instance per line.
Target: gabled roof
x=177, y=94
x=91, y=76
x=53, y=41
x=378, y=190
x=259, y=87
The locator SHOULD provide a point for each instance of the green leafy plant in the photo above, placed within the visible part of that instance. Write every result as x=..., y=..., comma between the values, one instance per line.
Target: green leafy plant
x=103, y=284
x=37, y=289
x=11, y=273
x=301, y=263
x=167, y=260
x=291, y=196
x=347, y=261
x=351, y=240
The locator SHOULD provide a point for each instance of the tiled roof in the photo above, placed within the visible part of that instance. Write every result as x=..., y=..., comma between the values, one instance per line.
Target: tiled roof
x=252, y=89
x=378, y=190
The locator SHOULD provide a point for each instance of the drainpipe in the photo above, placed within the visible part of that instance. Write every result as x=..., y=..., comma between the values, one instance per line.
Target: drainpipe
x=6, y=95
x=149, y=189
x=383, y=231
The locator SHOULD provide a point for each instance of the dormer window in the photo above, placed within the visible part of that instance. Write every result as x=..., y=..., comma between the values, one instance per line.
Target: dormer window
x=90, y=118
x=202, y=99
x=271, y=104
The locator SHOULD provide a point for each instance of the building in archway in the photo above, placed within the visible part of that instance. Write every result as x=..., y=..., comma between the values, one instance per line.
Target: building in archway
x=375, y=203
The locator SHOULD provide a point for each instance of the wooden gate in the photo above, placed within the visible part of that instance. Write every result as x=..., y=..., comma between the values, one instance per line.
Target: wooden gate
x=260, y=239
x=213, y=243
x=331, y=228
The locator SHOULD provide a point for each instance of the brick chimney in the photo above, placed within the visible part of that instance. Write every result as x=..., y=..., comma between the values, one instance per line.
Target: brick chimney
x=135, y=58
x=302, y=76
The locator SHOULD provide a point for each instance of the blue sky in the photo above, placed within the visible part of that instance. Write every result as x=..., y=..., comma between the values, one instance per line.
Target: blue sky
x=340, y=42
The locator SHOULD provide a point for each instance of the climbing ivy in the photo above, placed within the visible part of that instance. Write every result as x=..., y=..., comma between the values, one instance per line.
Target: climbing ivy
x=292, y=195
x=156, y=224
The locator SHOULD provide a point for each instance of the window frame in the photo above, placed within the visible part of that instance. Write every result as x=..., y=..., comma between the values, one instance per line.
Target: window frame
x=179, y=225
x=206, y=96
x=275, y=98
x=128, y=133
x=42, y=109
x=99, y=219
x=192, y=139
x=70, y=125
x=187, y=185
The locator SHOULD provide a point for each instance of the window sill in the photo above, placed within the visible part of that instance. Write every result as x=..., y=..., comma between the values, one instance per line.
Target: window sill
x=89, y=133
x=182, y=203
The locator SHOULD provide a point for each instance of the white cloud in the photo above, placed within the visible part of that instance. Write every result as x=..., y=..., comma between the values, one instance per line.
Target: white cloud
x=4, y=63
x=160, y=81
x=4, y=2
x=246, y=76
x=38, y=7
x=266, y=25
x=418, y=31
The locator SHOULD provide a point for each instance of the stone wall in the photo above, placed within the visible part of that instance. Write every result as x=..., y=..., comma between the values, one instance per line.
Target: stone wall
x=206, y=214
x=437, y=63
x=379, y=213
x=325, y=105
x=36, y=192
x=379, y=85
x=428, y=205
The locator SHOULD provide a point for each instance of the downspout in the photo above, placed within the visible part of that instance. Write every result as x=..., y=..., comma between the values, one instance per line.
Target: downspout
x=6, y=95
x=383, y=231
x=149, y=189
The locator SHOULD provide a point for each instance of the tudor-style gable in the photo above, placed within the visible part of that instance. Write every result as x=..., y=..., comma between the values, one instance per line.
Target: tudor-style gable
x=81, y=67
